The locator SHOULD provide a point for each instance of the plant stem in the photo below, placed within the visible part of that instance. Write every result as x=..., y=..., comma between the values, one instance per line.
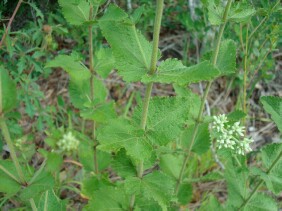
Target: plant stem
x=199, y=119
x=32, y=204
x=92, y=72
x=153, y=67
x=260, y=182
x=9, y=142
x=10, y=22
x=245, y=78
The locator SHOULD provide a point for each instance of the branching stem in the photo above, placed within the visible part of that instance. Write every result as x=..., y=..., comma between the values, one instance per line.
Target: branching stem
x=260, y=182
x=9, y=142
x=199, y=119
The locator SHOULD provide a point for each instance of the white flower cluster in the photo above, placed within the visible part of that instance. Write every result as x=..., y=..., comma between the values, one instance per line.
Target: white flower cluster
x=230, y=136
x=68, y=142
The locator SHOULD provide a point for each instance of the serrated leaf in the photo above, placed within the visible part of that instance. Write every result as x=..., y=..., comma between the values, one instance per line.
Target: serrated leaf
x=49, y=202
x=137, y=14
x=215, y=12
x=43, y=182
x=7, y=184
x=171, y=164
x=121, y=133
x=236, y=179
x=156, y=186
x=202, y=140
x=101, y=112
x=80, y=94
x=132, y=52
x=123, y=165
x=107, y=199
x=166, y=117
x=261, y=202
x=173, y=71
x=273, y=106
x=8, y=92
x=226, y=60
x=76, y=13
x=270, y=154
x=76, y=70
x=104, y=62
x=241, y=12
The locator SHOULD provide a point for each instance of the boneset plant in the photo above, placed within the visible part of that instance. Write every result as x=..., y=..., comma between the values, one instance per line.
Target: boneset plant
x=153, y=153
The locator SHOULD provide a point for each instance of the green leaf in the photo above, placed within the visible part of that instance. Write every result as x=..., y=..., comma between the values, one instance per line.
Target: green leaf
x=8, y=92
x=156, y=186
x=215, y=12
x=171, y=164
x=104, y=61
x=211, y=204
x=76, y=70
x=270, y=154
x=273, y=106
x=86, y=152
x=75, y=12
x=54, y=162
x=80, y=95
x=43, y=182
x=226, y=60
x=261, y=202
x=185, y=193
x=202, y=140
x=108, y=199
x=121, y=133
x=166, y=117
x=173, y=71
x=123, y=165
x=49, y=202
x=241, y=12
x=237, y=186
x=236, y=115
x=132, y=52
x=101, y=113
x=7, y=184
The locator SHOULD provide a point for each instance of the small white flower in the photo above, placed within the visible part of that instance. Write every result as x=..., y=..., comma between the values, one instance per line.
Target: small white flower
x=68, y=143
x=229, y=136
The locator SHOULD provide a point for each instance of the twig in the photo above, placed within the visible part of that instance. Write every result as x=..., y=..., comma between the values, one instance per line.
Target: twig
x=10, y=22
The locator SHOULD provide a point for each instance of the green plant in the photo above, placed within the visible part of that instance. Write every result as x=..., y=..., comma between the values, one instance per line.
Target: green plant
x=154, y=151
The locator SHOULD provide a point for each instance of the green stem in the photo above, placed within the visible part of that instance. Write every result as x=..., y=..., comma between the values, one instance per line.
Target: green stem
x=32, y=203
x=245, y=77
x=199, y=119
x=153, y=67
x=91, y=69
x=260, y=182
x=9, y=142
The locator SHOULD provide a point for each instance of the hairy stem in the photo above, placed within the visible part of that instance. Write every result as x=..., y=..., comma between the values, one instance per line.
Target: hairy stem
x=260, y=182
x=199, y=119
x=153, y=67
x=245, y=77
x=91, y=69
x=9, y=142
